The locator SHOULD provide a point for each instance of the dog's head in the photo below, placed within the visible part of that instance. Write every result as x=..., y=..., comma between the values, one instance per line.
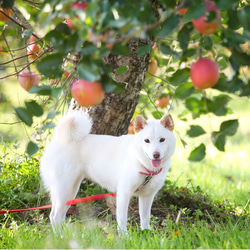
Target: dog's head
x=155, y=138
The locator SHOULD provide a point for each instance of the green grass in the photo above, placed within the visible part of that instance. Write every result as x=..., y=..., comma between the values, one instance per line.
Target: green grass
x=200, y=235
x=32, y=230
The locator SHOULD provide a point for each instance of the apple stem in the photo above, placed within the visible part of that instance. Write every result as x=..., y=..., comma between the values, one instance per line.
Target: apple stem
x=200, y=53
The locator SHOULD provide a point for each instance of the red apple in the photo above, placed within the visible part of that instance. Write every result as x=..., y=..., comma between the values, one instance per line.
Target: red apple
x=204, y=73
x=28, y=79
x=162, y=102
x=87, y=93
x=208, y=28
x=82, y=6
x=33, y=50
x=33, y=38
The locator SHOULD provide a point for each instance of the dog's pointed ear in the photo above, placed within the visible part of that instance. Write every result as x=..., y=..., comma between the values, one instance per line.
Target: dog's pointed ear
x=167, y=122
x=139, y=123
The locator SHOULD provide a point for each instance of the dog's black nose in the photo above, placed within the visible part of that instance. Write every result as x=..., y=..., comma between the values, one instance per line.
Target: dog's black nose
x=156, y=155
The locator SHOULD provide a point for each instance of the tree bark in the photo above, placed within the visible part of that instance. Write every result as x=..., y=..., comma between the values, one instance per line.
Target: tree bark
x=113, y=115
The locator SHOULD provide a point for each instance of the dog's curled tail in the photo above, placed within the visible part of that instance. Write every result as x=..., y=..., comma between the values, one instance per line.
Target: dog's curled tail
x=73, y=127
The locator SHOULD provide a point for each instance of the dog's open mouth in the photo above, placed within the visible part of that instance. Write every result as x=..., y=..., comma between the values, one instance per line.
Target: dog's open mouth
x=156, y=163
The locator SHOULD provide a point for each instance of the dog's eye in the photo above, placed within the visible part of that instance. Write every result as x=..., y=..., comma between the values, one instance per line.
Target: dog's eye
x=162, y=139
x=147, y=140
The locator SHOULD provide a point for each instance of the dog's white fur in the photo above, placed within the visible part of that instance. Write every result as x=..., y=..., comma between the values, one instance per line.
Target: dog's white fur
x=112, y=162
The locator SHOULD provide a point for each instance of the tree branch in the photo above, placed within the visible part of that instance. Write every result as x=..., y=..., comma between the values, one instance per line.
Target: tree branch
x=26, y=66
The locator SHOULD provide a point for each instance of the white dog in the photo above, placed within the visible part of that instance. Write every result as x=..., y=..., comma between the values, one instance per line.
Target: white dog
x=128, y=165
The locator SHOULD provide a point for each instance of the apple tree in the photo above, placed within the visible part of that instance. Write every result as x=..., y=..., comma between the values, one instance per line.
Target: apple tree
x=139, y=51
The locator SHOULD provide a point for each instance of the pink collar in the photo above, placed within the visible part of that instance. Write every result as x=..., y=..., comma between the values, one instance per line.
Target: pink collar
x=148, y=177
x=151, y=173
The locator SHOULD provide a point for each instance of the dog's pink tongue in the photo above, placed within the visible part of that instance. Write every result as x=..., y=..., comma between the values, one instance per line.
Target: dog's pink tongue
x=156, y=163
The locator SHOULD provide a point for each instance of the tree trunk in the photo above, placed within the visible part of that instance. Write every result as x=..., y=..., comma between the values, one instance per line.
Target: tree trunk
x=113, y=115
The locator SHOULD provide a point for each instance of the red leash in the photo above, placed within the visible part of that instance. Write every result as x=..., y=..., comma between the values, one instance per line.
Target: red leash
x=71, y=202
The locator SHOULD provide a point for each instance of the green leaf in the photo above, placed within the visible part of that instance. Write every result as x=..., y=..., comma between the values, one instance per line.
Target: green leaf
x=233, y=39
x=179, y=77
x=195, y=131
x=57, y=39
x=24, y=115
x=34, y=108
x=211, y=16
x=120, y=49
x=195, y=11
x=184, y=90
x=73, y=44
x=166, y=49
x=183, y=37
x=219, y=105
x=168, y=25
x=122, y=70
x=233, y=19
x=144, y=50
x=10, y=32
x=188, y=53
x=226, y=5
x=196, y=106
x=48, y=125
x=219, y=140
x=222, y=61
x=32, y=148
x=55, y=92
x=157, y=114
x=88, y=49
x=109, y=85
x=232, y=85
x=198, y=153
x=118, y=23
x=207, y=43
x=7, y=4
x=240, y=58
x=243, y=16
x=62, y=28
x=87, y=71
x=41, y=90
x=27, y=34
x=184, y=143
x=229, y=127
x=246, y=90
x=50, y=66
x=52, y=114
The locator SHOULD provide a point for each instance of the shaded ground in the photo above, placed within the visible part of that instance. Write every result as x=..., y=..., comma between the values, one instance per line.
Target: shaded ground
x=181, y=205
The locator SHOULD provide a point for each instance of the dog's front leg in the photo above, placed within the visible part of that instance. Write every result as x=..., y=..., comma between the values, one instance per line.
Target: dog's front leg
x=145, y=204
x=122, y=202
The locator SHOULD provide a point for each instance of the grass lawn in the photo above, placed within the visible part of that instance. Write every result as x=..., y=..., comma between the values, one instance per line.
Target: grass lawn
x=199, y=235
x=222, y=176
